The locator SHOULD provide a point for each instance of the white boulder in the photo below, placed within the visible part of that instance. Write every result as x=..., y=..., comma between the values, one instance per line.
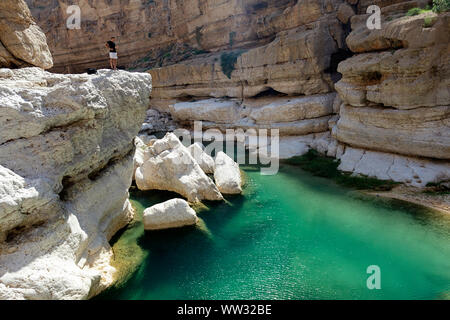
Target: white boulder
x=168, y=165
x=227, y=174
x=174, y=213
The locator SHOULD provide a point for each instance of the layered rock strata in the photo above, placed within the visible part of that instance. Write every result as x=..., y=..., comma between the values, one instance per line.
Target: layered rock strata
x=157, y=33
x=396, y=98
x=285, y=82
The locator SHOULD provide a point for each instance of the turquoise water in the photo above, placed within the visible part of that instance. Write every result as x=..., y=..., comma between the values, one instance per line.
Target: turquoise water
x=292, y=236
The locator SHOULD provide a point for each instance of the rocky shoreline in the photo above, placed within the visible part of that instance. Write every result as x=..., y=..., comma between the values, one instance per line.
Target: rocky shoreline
x=378, y=101
x=432, y=201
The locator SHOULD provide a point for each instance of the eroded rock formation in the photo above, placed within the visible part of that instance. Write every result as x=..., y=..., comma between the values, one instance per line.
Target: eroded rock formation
x=396, y=97
x=174, y=213
x=22, y=42
x=282, y=78
x=168, y=165
x=227, y=174
x=66, y=145
x=392, y=103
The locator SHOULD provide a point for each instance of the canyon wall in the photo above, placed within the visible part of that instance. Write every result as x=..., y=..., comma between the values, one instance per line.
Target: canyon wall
x=154, y=33
x=388, y=117
x=66, y=164
x=274, y=64
x=395, y=115
x=284, y=81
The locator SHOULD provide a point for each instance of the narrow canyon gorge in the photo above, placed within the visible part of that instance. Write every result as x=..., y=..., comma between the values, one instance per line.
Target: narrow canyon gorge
x=376, y=100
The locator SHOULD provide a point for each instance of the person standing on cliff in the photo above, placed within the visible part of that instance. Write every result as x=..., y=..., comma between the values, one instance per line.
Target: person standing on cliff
x=111, y=44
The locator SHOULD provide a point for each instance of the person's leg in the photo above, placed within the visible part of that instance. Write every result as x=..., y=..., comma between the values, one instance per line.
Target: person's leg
x=115, y=64
x=111, y=63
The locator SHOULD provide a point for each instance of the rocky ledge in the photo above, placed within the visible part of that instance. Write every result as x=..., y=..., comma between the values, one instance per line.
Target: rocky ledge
x=66, y=164
x=395, y=112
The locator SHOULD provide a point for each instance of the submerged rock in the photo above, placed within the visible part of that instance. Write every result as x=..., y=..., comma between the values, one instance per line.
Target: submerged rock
x=227, y=174
x=174, y=213
x=168, y=165
x=205, y=161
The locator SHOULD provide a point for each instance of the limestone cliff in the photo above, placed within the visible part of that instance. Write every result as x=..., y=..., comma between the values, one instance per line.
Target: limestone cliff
x=22, y=42
x=66, y=144
x=390, y=117
x=396, y=97
x=284, y=81
x=274, y=64
x=156, y=33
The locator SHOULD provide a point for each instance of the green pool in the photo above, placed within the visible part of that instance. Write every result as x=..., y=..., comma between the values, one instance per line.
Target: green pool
x=292, y=236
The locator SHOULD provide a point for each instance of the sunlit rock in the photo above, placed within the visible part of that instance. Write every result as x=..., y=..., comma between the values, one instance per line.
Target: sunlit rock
x=174, y=213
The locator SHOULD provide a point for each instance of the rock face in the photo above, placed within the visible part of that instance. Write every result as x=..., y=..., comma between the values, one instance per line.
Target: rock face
x=203, y=159
x=174, y=213
x=275, y=69
x=227, y=174
x=66, y=144
x=396, y=98
x=22, y=42
x=168, y=165
x=393, y=97
x=156, y=33
x=386, y=166
x=306, y=68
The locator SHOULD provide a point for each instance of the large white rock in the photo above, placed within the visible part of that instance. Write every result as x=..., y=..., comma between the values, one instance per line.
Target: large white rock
x=227, y=174
x=22, y=42
x=174, y=213
x=67, y=254
x=205, y=161
x=168, y=165
x=65, y=172
x=67, y=126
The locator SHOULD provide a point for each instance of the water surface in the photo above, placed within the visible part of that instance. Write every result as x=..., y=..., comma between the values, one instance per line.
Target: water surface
x=292, y=236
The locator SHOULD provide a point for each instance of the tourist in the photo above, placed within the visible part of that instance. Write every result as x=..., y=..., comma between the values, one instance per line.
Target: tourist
x=111, y=44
